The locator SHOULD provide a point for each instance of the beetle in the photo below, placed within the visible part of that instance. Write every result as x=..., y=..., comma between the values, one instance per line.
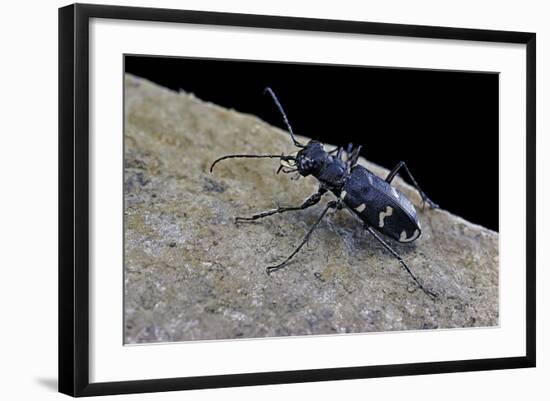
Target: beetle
x=382, y=208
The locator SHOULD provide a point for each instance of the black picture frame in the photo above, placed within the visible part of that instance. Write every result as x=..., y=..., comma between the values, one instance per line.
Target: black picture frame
x=74, y=194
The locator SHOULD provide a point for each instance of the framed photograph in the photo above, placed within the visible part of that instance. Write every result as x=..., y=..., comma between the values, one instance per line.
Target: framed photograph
x=251, y=199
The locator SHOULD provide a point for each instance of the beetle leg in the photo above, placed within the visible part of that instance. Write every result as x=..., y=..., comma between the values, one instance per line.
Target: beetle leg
x=400, y=259
x=354, y=156
x=339, y=153
x=349, y=149
x=403, y=165
x=311, y=201
x=330, y=205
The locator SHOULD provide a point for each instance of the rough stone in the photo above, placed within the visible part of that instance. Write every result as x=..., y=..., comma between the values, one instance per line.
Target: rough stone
x=191, y=273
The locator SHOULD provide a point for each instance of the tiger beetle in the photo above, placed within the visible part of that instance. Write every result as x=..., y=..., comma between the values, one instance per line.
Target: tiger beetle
x=381, y=207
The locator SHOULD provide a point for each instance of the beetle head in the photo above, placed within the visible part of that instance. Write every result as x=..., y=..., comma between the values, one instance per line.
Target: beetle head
x=311, y=158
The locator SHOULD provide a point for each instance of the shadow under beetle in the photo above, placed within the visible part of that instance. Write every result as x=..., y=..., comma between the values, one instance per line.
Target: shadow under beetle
x=381, y=207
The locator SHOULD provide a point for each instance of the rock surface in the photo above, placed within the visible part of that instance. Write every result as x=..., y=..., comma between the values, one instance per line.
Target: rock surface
x=191, y=273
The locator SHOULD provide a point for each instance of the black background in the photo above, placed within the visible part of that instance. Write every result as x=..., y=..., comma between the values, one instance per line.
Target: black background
x=444, y=124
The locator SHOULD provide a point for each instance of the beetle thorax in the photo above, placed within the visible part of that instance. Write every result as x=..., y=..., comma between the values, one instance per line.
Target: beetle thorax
x=314, y=160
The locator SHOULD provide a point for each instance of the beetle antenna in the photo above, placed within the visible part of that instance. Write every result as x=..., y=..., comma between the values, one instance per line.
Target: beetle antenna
x=282, y=157
x=282, y=111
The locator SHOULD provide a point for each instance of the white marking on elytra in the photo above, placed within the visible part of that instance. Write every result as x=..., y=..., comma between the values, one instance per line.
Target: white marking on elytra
x=343, y=194
x=361, y=207
x=403, y=237
x=383, y=215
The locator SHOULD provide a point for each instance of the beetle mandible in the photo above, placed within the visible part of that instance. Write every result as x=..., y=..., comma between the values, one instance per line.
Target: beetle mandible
x=381, y=207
